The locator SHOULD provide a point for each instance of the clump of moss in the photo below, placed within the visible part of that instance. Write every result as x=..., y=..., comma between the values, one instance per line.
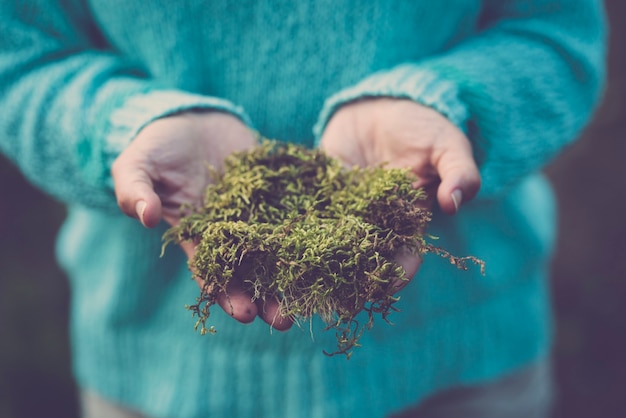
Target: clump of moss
x=292, y=224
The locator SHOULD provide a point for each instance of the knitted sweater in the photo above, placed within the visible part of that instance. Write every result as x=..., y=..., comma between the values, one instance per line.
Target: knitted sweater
x=79, y=78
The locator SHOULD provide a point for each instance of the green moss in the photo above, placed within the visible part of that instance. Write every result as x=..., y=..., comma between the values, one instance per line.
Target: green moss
x=293, y=225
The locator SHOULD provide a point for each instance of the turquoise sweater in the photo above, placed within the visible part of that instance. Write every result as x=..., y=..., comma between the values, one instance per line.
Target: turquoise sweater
x=79, y=78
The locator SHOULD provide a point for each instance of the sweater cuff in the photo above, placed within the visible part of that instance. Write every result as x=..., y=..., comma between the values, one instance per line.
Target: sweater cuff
x=139, y=110
x=407, y=81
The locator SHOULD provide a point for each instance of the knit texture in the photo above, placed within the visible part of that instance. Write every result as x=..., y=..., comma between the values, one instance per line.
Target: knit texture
x=79, y=79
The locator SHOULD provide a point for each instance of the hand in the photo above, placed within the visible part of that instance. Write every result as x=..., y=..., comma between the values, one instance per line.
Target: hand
x=404, y=134
x=166, y=166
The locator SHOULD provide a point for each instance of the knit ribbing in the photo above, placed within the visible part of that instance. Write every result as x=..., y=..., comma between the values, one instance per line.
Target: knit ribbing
x=139, y=110
x=377, y=379
x=404, y=82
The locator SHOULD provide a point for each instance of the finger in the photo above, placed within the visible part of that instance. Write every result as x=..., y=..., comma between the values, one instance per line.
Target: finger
x=189, y=249
x=135, y=194
x=238, y=304
x=460, y=179
x=410, y=263
x=270, y=313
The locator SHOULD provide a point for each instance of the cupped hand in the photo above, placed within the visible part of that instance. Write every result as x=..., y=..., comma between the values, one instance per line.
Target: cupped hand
x=404, y=134
x=166, y=167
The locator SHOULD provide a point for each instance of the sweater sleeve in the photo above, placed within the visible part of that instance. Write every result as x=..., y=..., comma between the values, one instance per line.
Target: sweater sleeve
x=522, y=88
x=70, y=105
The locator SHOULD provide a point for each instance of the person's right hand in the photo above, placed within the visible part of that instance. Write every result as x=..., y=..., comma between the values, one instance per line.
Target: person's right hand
x=166, y=166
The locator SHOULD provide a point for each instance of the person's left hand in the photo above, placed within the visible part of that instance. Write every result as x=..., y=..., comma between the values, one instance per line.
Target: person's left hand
x=404, y=134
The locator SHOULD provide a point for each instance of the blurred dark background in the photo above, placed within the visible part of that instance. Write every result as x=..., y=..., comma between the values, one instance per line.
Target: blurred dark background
x=589, y=271
x=588, y=280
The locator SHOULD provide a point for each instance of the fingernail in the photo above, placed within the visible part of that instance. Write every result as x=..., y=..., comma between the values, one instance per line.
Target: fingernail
x=140, y=208
x=457, y=198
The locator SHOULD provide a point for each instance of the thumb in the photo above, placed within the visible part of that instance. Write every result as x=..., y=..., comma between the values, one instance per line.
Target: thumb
x=135, y=194
x=460, y=179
